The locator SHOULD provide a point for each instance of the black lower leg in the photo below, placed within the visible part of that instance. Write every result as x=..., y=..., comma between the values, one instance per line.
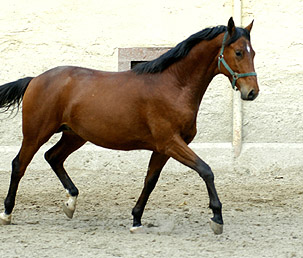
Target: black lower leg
x=216, y=207
x=149, y=185
x=156, y=164
x=137, y=215
x=63, y=176
x=56, y=162
x=56, y=156
x=9, y=202
x=214, y=203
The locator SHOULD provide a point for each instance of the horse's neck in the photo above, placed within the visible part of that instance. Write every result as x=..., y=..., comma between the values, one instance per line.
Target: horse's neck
x=195, y=72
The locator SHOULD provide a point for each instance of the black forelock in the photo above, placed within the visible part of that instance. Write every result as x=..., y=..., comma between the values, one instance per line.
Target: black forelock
x=239, y=32
x=159, y=64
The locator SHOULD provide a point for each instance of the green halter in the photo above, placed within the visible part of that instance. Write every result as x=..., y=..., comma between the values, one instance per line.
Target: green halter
x=234, y=75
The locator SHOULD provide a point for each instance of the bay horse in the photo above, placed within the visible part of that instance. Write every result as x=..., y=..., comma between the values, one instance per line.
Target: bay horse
x=153, y=106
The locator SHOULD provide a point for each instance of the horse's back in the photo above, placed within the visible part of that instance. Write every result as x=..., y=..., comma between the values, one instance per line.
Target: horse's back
x=68, y=84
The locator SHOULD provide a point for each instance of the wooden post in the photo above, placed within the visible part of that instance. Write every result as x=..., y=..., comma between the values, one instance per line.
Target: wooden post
x=237, y=102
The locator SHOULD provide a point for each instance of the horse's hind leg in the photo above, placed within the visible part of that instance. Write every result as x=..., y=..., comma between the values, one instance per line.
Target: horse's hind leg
x=19, y=165
x=56, y=156
x=157, y=162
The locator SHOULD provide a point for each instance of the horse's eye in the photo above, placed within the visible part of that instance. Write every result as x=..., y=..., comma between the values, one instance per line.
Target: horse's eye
x=239, y=53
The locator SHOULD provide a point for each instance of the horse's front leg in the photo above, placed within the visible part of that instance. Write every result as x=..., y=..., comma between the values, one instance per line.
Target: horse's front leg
x=157, y=162
x=179, y=150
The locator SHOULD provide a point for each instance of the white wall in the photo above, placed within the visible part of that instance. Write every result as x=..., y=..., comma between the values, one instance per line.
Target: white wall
x=38, y=35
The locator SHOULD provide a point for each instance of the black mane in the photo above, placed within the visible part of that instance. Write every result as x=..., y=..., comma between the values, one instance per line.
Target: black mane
x=159, y=64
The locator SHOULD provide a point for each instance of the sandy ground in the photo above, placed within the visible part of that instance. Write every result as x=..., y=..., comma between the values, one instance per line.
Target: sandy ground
x=263, y=216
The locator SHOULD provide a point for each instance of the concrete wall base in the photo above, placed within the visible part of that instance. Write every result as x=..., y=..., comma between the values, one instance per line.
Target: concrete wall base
x=255, y=158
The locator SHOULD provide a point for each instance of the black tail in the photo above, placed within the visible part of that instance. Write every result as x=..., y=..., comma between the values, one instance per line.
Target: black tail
x=11, y=94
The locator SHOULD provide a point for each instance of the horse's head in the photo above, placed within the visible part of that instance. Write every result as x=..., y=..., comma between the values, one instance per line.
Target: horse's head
x=236, y=60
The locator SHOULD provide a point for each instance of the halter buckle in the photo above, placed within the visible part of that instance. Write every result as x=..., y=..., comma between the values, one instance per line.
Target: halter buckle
x=235, y=76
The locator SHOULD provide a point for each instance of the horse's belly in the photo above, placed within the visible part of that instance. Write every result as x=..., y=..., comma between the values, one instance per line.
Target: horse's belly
x=116, y=136
x=119, y=143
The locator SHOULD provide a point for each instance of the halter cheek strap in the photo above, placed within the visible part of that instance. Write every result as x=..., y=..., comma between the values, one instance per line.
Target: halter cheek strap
x=235, y=76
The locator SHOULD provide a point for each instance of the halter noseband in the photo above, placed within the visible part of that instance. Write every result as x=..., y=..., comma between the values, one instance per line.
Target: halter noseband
x=234, y=75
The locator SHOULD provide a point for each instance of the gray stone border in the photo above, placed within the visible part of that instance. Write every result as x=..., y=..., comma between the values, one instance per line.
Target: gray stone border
x=127, y=55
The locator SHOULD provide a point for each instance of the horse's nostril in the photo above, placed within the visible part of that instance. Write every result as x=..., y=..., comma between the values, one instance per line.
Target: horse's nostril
x=251, y=95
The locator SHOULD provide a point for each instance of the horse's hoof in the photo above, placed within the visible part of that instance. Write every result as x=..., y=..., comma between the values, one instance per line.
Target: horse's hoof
x=216, y=227
x=5, y=219
x=69, y=207
x=68, y=212
x=135, y=230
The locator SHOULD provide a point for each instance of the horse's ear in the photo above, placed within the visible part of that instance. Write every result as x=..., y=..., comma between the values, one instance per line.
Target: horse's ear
x=231, y=26
x=250, y=26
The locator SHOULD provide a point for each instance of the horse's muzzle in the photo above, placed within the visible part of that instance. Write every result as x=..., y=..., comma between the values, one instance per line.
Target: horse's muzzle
x=251, y=95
